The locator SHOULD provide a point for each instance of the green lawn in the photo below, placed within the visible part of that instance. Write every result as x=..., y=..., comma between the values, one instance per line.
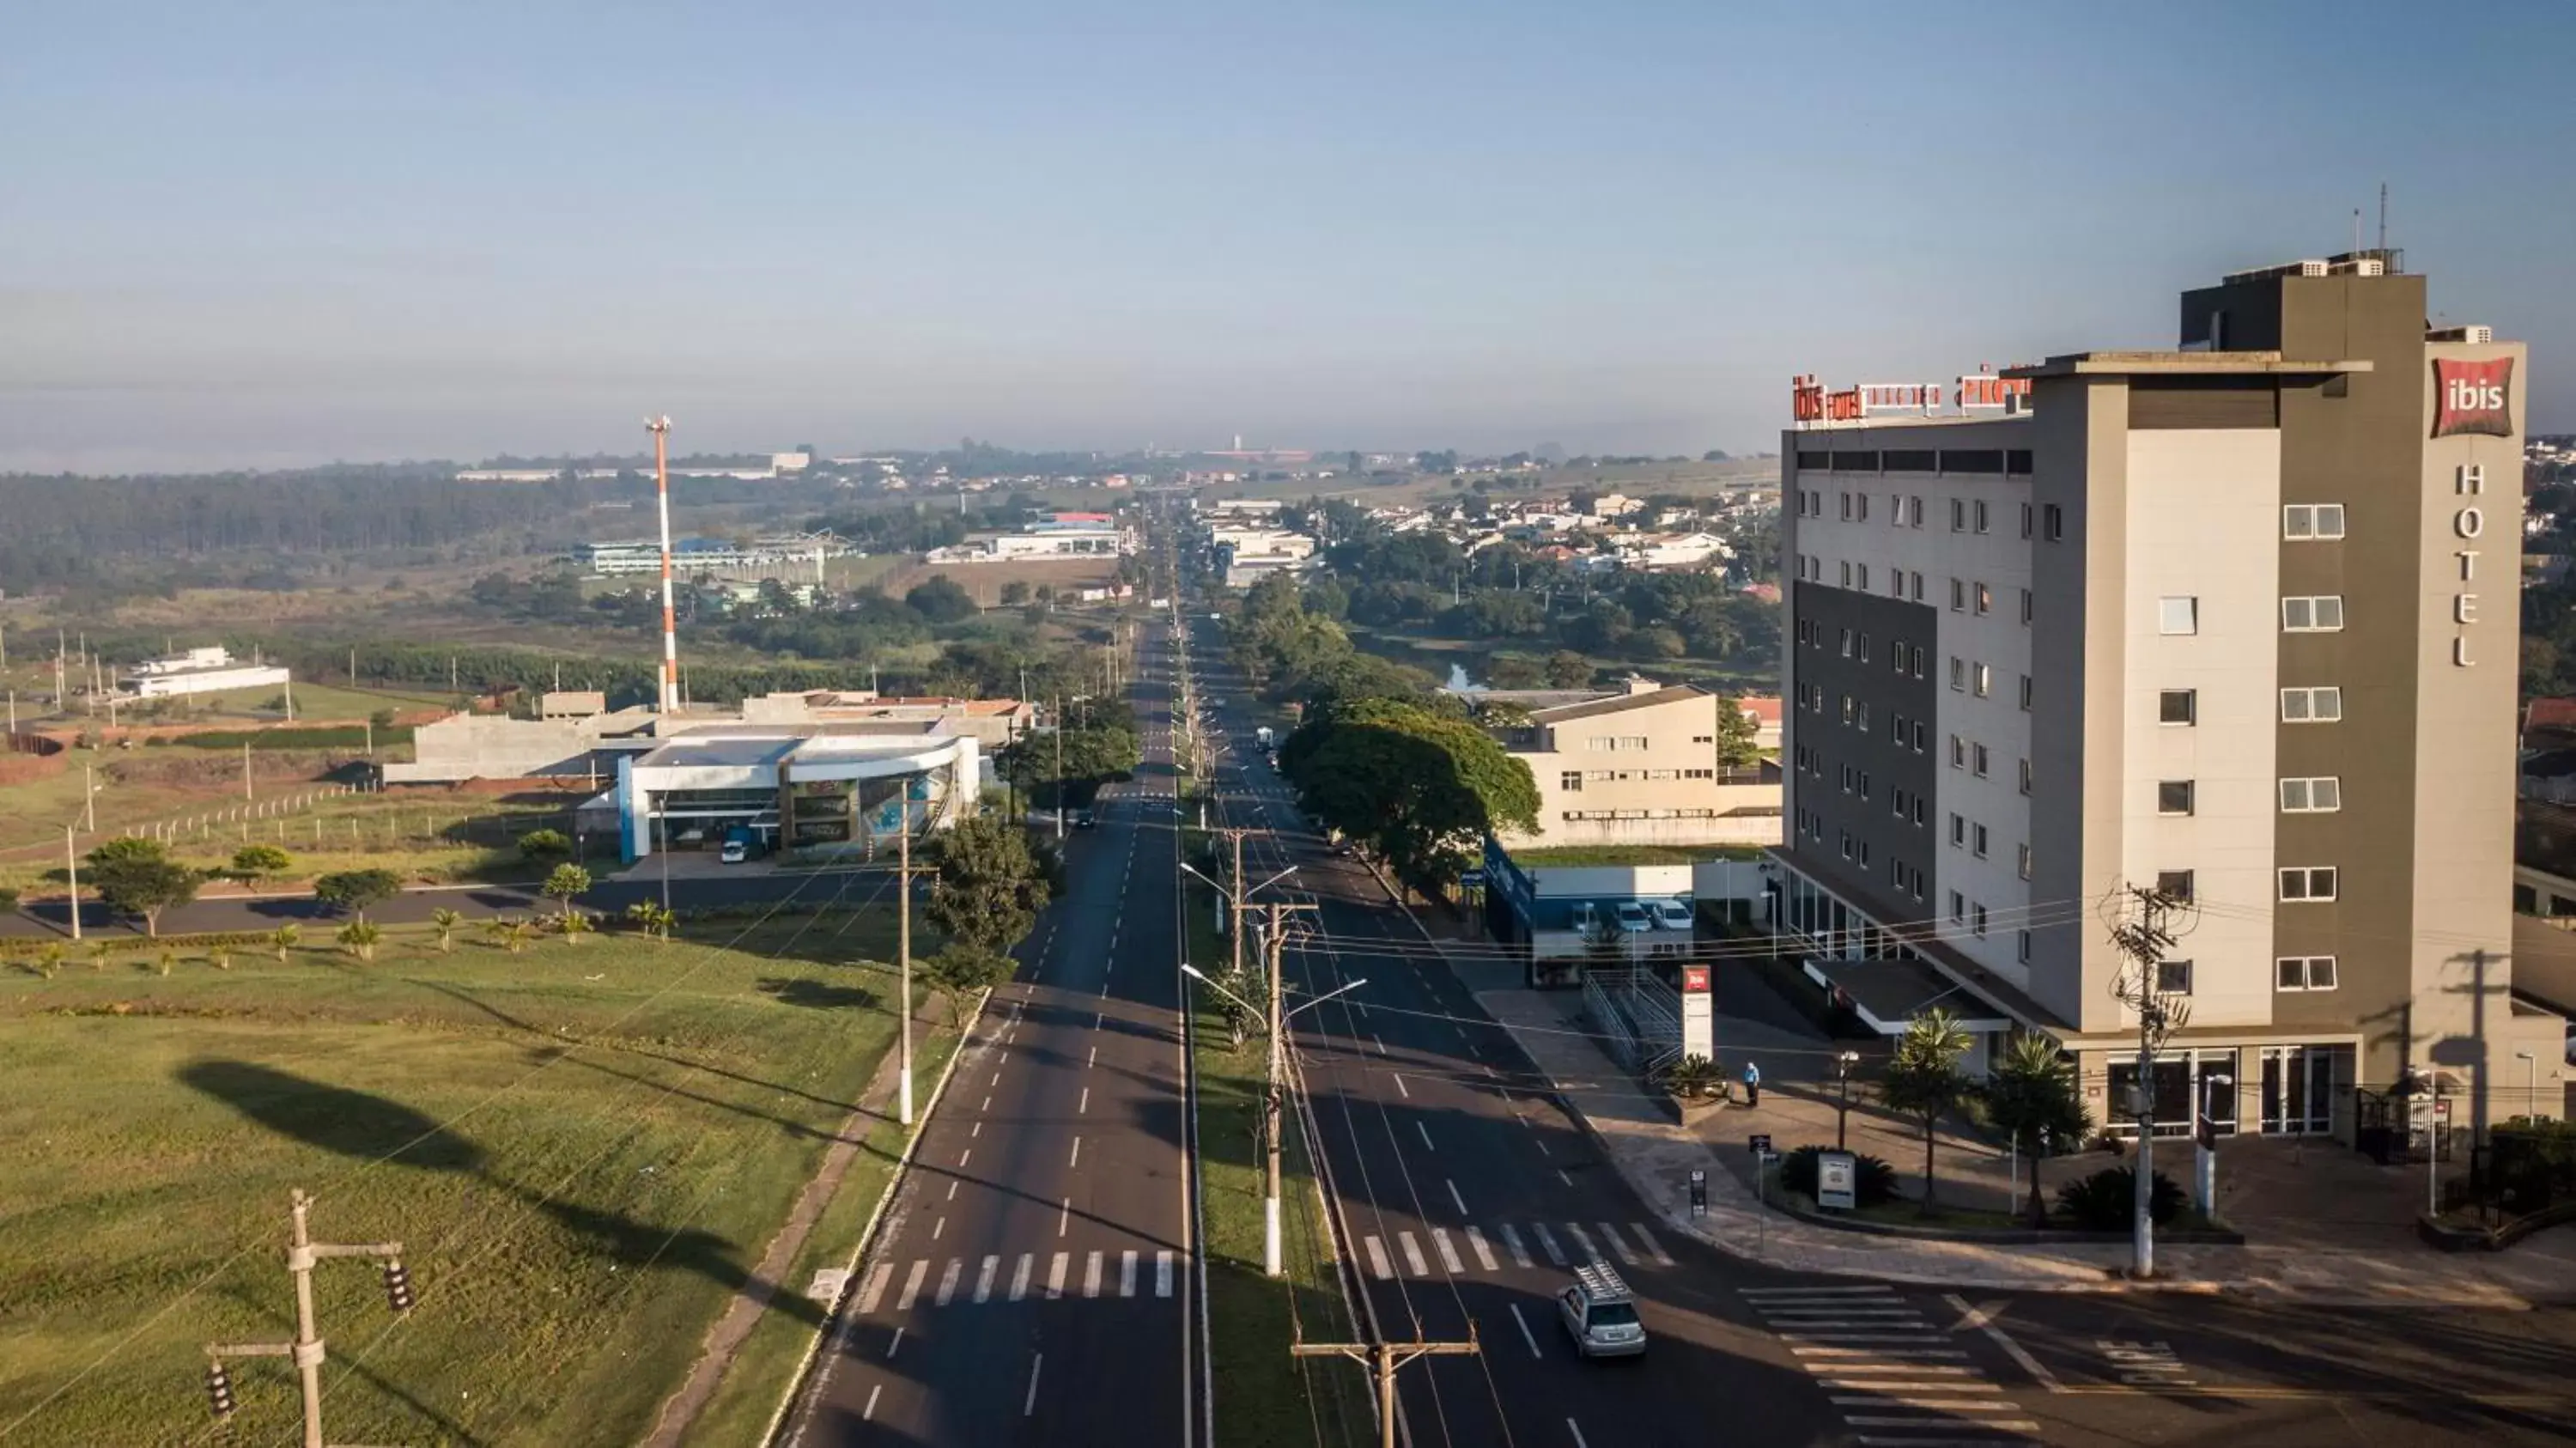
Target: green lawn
x=582, y=1148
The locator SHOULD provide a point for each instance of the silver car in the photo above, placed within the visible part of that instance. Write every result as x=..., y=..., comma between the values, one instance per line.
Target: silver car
x=1600, y=1315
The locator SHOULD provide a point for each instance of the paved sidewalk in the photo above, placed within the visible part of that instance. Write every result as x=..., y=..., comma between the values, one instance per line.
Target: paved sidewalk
x=1656, y=1155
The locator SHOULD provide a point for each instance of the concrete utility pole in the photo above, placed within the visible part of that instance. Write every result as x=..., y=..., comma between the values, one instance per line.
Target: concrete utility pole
x=71, y=864
x=1382, y=1359
x=1275, y=941
x=2146, y=921
x=903, y=958
x=1059, y=764
x=306, y=1350
x=660, y=427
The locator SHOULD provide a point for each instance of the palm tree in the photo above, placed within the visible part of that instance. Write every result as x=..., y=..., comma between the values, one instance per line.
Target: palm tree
x=359, y=938
x=50, y=959
x=1694, y=1077
x=283, y=939
x=1923, y=1079
x=446, y=921
x=654, y=920
x=2033, y=1098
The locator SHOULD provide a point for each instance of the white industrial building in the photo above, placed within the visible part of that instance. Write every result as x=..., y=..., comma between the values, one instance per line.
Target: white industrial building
x=199, y=671
x=815, y=786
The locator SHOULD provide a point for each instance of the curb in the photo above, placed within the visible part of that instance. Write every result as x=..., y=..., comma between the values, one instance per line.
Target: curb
x=876, y=1220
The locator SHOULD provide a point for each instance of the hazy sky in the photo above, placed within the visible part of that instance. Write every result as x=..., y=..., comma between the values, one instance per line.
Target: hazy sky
x=271, y=234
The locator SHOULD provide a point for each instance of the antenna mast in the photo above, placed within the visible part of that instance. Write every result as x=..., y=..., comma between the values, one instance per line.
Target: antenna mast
x=660, y=427
x=2383, y=216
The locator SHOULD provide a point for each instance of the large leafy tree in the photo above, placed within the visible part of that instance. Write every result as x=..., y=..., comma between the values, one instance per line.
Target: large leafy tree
x=357, y=891
x=1419, y=787
x=138, y=877
x=1924, y=1081
x=990, y=886
x=1739, y=739
x=2032, y=1097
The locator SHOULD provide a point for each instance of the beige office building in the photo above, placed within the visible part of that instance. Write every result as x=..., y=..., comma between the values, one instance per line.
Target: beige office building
x=1641, y=768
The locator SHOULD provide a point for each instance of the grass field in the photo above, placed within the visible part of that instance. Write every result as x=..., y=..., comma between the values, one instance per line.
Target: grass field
x=581, y=1147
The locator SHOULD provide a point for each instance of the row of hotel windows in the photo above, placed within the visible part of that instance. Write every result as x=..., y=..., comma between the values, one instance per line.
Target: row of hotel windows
x=2300, y=523
x=2305, y=704
x=2179, y=614
x=2298, y=884
x=1974, y=461
x=2289, y=972
x=1572, y=779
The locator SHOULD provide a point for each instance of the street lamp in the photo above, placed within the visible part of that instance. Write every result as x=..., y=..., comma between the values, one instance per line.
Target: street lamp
x=2205, y=1143
x=1271, y=1258
x=1844, y=1061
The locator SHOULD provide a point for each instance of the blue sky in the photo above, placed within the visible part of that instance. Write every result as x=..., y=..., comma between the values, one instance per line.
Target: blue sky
x=269, y=234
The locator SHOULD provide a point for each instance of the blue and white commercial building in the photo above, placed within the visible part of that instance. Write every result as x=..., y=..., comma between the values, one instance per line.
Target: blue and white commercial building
x=815, y=787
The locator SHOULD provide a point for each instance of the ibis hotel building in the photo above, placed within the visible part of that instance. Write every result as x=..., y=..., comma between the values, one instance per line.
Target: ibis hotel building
x=2238, y=619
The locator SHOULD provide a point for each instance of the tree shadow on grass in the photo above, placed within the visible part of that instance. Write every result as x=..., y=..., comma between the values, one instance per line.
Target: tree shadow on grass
x=801, y=991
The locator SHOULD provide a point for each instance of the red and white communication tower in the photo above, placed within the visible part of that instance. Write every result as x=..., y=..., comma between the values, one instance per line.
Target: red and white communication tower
x=660, y=427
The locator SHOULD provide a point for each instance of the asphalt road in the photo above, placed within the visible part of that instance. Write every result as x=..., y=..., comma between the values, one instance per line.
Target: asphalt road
x=1032, y=1282
x=1466, y=1193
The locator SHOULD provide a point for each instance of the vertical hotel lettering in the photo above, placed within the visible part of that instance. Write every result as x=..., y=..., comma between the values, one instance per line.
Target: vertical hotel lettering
x=2471, y=397
x=2468, y=523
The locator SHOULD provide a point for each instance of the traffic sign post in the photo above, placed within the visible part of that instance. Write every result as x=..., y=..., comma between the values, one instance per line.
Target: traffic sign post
x=1699, y=1192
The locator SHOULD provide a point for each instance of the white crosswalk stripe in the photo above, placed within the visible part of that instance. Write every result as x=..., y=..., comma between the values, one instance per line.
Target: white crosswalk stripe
x=1888, y=1369
x=1413, y=1254
x=1055, y=1275
x=1618, y=1245
x=1163, y=1273
x=1448, y=1254
x=875, y=1287
x=1547, y=1244
x=1654, y=1248
x=1020, y=1278
x=984, y=1278
x=1379, y=1267
x=948, y=1280
x=912, y=1285
x=1512, y=1244
x=1091, y=1275
x=1583, y=1242
x=1127, y=1274
x=1476, y=1244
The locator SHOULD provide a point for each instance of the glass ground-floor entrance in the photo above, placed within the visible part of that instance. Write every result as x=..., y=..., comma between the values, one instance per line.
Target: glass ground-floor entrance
x=2299, y=1088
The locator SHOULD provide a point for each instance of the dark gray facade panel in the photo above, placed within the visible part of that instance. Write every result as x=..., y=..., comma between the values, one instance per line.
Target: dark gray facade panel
x=1873, y=684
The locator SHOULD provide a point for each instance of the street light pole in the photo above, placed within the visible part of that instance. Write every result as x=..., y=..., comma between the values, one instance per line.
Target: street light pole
x=2205, y=1144
x=1843, y=1063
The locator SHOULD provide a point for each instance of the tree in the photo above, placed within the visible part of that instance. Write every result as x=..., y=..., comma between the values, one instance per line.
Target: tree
x=1418, y=787
x=1694, y=1078
x=990, y=887
x=940, y=599
x=50, y=959
x=1739, y=738
x=138, y=877
x=2033, y=1099
x=446, y=921
x=254, y=863
x=1924, y=1081
x=359, y=938
x=8, y=899
x=508, y=933
x=653, y=919
x=1567, y=669
x=357, y=891
x=567, y=881
x=1015, y=593
x=283, y=939
x=540, y=846
x=962, y=970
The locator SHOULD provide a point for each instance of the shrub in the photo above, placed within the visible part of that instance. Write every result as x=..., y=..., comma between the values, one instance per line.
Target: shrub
x=1873, y=1178
x=543, y=845
x=2106, y=1201
x=1694, y=1078
x=8, y=898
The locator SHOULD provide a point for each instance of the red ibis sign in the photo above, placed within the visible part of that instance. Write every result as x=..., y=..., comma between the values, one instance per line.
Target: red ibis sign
x=1694, y=980
x=2473, y=397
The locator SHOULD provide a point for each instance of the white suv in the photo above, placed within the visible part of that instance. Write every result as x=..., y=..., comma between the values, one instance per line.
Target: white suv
x=1600, y=1315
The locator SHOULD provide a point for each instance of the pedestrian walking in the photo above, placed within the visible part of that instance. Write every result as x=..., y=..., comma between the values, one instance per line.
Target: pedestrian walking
x=1752, y=1084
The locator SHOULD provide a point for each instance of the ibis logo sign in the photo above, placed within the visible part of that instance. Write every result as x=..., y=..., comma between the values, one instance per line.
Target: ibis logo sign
x=2473, y=397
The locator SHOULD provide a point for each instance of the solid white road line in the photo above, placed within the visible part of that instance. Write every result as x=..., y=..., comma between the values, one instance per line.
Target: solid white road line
x=1455, y=1200
x=1127, y=1274
x=984, y=1277
x=948, y=1281
x=1512, y=1244
x=1578, y=1434
x=874, y=1290
x=1163, y=1273
x=1091, y=1275
x=2017, y=1425
x=1476, y=1244
x=1413, y=1254
x=1654, y=1248
x=1426, y=1136
x=1915, y=1339
x=912, y=1285
x=868, y=1413
x=1055, y=1274
x=1379, y=1267
x=1523, y=1324
x=1547, y=1244
x=1020, y=1278
x=1448, y=1254
x=1883, y=1440
x=1036, y=1361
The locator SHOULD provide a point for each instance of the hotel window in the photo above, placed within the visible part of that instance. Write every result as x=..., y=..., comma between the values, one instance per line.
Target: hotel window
x=2178, y=706
x=1847, y=708
x=1863, y=643
x=1571, y=779
x=1846, y=506
x=1959, y=830
x=1846, y=834
x=1860, y=576
x=1921, y=814
x=2312, y=522
x=2052, y=522
x=2319, y=705
x=1980, y=926
x=2308, y=882
x=1896, y=658
x=1845, y=643
x=2174, y=884
x=1896, y=510
x=2312, y=615
x=1897, y=798
x=1918, y=661
x=1977, y=845
x=1914, y=585
x=1846, y=573
x=2021, y=948
x=2025, y=605
x=2178, y=615
x=2023, y=864
x=1861, y=719
x=1958, y=672
x=2173, y=977
x=1914, y=512
x=1864, y=786
x=1977, y=760
x=1985, y=680
x=1921, y=734
x=1985, y=595
x=1860, y=507
x=2320, y=795
x=2025, y=693
x=1958, y=515
x=1896, y=730
x=1958, y=595
x=2174, y=797
x=1896, y=583
x=2025, y=520
x=1958, y=752
x=1981, y=515
x=1847, y=779
x=2304, y=972
x=2025, y=776
x=1958, y=907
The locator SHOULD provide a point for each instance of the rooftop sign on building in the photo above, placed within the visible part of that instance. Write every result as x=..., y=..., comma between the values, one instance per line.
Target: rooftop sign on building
x=1811, y=403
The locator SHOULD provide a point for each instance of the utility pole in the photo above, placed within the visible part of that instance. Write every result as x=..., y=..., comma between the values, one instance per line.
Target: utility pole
x=1275, y=943
x=71, y=864
x=2145, y=923
x=306, y=1350
x=1382, y=1359
x=903, y=958
x=246, y=769
x=1059, y=761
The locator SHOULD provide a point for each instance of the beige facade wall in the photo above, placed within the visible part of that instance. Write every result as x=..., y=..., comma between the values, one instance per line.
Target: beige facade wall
x=1634, y=764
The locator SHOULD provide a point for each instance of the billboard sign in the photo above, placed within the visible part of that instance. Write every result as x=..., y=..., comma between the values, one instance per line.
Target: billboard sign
x=1837, y=1181
x=2473, y=397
